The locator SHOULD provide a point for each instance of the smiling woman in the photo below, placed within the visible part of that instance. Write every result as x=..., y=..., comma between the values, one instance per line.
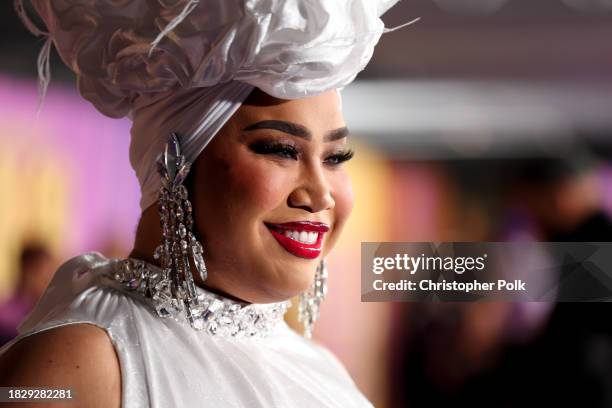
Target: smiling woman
x=270, y=197
x=238, y=141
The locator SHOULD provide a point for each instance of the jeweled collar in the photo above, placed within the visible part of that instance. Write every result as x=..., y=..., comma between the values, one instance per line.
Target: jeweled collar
x=214, y=313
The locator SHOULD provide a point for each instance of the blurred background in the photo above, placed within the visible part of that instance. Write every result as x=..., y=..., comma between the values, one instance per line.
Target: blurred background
x=488, y=120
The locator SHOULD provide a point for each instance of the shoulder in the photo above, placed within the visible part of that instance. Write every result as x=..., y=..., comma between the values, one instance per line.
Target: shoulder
x=76, y=356
x=77, y=293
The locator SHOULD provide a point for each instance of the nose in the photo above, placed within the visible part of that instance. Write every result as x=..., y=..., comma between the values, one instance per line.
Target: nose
x=313, y=193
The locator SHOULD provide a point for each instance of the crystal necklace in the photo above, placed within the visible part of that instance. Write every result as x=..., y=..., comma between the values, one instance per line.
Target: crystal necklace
x=211, y=313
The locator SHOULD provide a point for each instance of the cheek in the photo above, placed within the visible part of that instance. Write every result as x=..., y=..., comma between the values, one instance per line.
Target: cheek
x=259, y=186
x=248, y=187
x=343, y=204
x=243, y=192
x=343, y=196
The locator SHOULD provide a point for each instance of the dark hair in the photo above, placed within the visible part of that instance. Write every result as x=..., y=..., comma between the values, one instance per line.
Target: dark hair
x=547, y=170
x=32, y=252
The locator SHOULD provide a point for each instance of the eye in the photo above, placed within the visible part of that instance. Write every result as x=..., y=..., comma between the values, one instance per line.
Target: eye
x=283, y=150
x=339, y=158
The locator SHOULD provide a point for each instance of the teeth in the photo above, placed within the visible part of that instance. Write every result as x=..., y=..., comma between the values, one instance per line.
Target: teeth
x=305, y=237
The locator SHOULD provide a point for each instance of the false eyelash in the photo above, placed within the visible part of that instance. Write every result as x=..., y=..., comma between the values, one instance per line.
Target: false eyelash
x=340, y=157
x=281, y=149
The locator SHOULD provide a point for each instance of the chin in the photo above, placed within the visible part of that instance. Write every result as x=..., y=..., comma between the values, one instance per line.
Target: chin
x=289, y=285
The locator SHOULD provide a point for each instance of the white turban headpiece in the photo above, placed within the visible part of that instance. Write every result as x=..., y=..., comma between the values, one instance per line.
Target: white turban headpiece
x=185, y=66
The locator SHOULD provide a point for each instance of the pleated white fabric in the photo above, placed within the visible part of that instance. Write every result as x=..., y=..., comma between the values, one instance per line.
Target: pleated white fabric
x=194, y=114
x=165, y=363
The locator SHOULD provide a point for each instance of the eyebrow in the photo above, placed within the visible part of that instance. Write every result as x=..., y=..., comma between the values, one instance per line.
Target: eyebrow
x=295, y=129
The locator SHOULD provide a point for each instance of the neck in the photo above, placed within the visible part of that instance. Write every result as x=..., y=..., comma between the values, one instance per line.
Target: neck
x=148, y=236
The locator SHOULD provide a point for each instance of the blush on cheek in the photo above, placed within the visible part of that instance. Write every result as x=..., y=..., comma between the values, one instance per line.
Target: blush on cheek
x=260, y=184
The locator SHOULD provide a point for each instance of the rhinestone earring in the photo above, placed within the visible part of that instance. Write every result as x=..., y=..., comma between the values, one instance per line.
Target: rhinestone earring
x=311, y=299
x=179, y=243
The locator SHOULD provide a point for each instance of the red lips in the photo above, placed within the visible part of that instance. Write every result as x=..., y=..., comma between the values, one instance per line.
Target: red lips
x=299, y=249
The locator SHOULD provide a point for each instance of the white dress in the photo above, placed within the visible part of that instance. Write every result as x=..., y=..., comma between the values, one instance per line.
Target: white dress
x=166, y=363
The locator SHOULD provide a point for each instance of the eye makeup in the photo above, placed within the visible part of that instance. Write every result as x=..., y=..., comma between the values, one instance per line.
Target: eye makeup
x=290, y=150
x=339, y=157
x=275, y=147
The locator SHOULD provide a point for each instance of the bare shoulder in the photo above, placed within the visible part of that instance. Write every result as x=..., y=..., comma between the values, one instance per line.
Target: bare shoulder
x=77, y=356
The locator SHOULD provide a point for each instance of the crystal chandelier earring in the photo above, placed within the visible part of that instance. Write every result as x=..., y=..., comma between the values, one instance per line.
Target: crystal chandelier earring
x=311, y=299
x=179, y=243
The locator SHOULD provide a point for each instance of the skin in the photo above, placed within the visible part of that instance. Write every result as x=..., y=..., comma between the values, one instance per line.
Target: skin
x=80, y=357
x=234, y=189
x=237, y=183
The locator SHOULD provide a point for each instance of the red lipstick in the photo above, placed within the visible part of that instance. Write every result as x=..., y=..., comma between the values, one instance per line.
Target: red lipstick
x=300, y=238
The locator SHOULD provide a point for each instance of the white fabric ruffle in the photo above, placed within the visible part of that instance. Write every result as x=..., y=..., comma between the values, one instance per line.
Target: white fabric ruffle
x=289, y=49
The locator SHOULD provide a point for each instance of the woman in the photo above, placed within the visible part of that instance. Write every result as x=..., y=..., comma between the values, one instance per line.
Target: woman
x=232, y=226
